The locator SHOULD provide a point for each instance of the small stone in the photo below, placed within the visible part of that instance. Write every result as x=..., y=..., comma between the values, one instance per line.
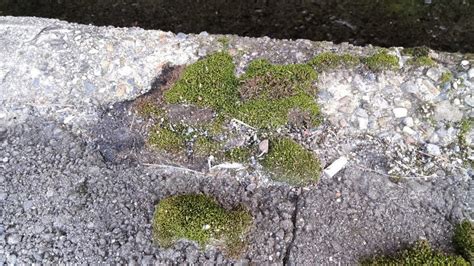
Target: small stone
x=400, y=112
x=363, y=122
x=469, y=100
x=434, y=138
x=263, y=146
x=408, y=121
x=433, y=149
x=465, y=64
x=470, y=73
x=409, y=130
x=456, y=101
x=433, y=73
x=448, y=112
x=336, y=166
x=13, y=239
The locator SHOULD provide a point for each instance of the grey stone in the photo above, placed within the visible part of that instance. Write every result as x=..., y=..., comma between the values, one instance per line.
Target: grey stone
x=433, y=149
x=13, y=239
x=447, y=112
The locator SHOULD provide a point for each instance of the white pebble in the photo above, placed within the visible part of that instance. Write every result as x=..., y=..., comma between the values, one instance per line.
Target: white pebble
x=409, y=131
x=400, y=112
x=335, y=167
x=408, y=121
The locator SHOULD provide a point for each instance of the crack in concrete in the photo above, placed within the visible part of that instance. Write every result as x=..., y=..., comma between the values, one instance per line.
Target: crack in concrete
x=294, y=218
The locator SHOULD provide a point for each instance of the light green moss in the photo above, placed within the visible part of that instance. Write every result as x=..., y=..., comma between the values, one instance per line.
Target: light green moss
x=239, y=155
x=224, y=41
x=446, y=77
x=166, y=139
x=464, y=239
x=201, y=219
x=422, y=61
x=420, y=254
x=271, y=114
x=421, y=51
x=148, y=110
x=278, y=81
x=289, y=162
x=381, y=61
x=328, y=60
x=271, y=91
x=204, y=147
x=209, y=82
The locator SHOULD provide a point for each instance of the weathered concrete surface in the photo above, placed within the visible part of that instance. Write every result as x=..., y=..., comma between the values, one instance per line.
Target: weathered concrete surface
x=64, y=201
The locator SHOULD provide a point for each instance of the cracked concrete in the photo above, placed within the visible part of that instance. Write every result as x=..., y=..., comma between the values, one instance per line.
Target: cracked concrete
x=68, y=197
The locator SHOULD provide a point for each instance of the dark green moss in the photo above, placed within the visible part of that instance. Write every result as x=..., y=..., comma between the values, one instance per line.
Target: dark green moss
x=464, y=240
x=289, y=162
x=420, y=254
x=166, y=139
x=328, y=60
x=209, y=82
x=201, y=219
x=446, y=77
x=422, y=61
x=239, y=155
x=381, y=61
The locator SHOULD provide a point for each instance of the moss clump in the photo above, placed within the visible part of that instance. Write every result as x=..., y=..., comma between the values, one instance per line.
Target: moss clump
x=464, y=240
x=149, y=110
x=207, y=83
x=381, y=61
x=264, y=80
x=328, y=60
x=269, y=92
x=446, y=77
x=224, y=40
x=240, y=154
x=200, y=218
x=421, y=61
x=420, y=254
x=166, y=139
x=204, y=147
x=421, y=51
x=291, y=163
x=465, y=126
x=270, y=114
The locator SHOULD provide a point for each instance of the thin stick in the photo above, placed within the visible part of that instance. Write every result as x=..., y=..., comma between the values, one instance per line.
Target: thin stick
x=243, y=123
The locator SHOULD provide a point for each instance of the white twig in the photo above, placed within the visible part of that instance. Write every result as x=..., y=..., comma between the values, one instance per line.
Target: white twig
x=173, y=167
x=243, y=123
x=228, y=166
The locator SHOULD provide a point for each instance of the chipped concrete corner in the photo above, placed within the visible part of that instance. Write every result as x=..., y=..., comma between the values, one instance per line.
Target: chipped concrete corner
x=80, y=181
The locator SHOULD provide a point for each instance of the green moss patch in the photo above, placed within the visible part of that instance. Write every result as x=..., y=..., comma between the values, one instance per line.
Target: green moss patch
x=239, y=155
x=166, y=139
x=446, y=77
x=464, y=240
x=267, y=96
x=420, y=254
x=209, y=82
x=205, y=146
x=328, y=60
x=269, y=92
x=290, y=162
x=200, y=218
x=422, y=61
x=381, y=61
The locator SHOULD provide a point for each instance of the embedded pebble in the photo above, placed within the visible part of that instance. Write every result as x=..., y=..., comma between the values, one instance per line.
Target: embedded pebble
x=433, y=149
x=400, y=112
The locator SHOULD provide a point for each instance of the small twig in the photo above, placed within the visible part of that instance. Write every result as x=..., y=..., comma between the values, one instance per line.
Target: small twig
x=243, y=123
x=173, y=167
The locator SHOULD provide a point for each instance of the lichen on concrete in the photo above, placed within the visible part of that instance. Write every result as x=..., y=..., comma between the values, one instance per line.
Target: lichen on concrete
x=381, y=60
